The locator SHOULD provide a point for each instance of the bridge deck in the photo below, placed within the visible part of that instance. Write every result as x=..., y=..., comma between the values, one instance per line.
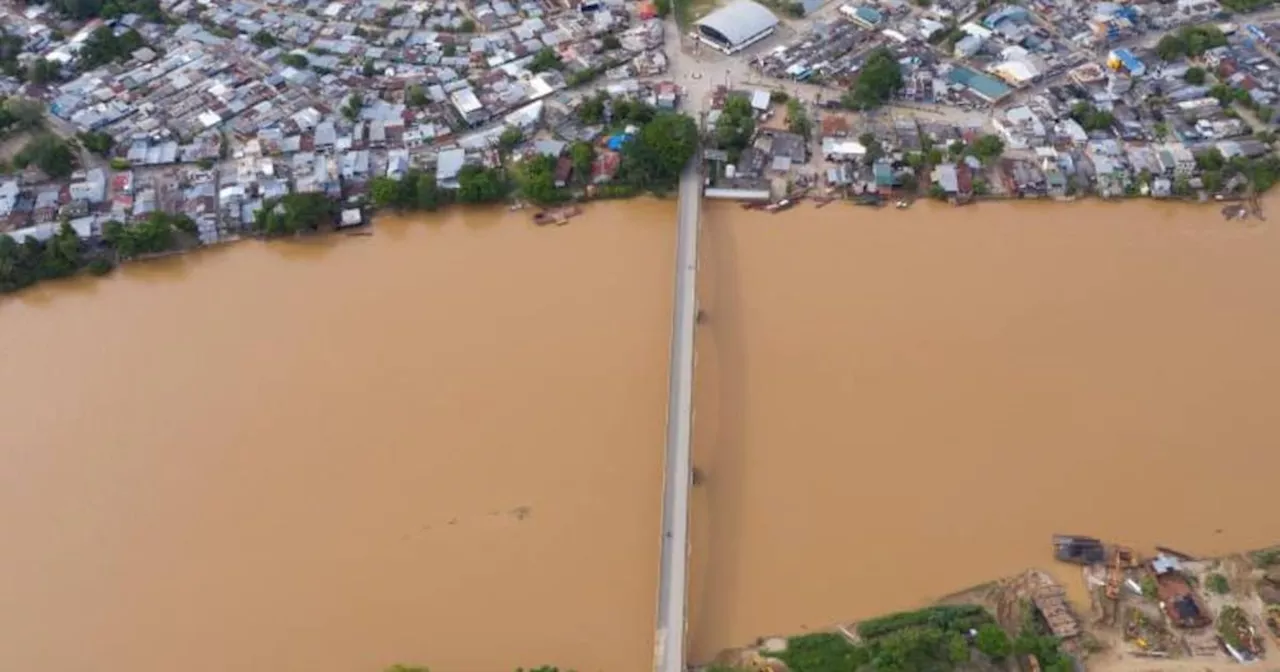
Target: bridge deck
x=673, y=579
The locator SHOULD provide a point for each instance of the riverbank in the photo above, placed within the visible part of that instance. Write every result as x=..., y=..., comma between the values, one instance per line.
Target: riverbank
x=163, y=235
x=1001, y=624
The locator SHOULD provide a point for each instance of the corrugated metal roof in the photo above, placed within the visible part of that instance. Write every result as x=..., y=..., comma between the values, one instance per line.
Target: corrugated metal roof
x=739, y=21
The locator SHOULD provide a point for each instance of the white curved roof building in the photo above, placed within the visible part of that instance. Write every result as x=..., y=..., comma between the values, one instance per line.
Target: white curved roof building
x=736, y=26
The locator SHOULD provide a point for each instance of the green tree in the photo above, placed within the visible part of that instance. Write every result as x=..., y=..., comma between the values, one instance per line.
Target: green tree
x=355, y=103
x=96, y=142
x=798, y=120
x=545, y=59
x=480, y=185
x=880, y=78
x=450, y=50
x=62, y=253
x=662, y=7
x=43, y=71
x=993, y=642
x=957, y=649
x=467, y=26
x=736, y=126
x=611, y=42
x=384, y=192
x=511, y=136
x=583, y=155
x=426, y=193
x=265, y=39
x=298, y=61
x=22, y=114
x=662, y=148
x=295, y=213
x=1218, y=583
x=369, y=69
x=1211, y=159
x=104, y=46
x=875, y=150
x=49, y=153
x=415, y=97
x=1194, y=75
x=537, y=180
x=1171, y=47
x=988, y=148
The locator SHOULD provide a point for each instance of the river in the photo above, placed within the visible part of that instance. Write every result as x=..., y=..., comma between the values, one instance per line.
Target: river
x=892, y=406
x=442, y=444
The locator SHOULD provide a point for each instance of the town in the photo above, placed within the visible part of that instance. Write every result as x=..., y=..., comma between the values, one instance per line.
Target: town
x=139, y=127
x=1164, y=611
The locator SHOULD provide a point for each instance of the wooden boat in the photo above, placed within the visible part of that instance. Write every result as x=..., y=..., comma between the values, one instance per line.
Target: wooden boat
x=784, y=204
x=359, y=233
x=557, y=216
x=870, y=200
x=822, y=201
x=1078, y=550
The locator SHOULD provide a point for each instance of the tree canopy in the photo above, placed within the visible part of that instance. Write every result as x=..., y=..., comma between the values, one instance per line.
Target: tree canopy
x=295, y=213
x=880, y=78
x=49, y=153
x=26, y=263
x=545, y=59
x=1091, y=118
x=416, y=190
x=798, y=120
x=108, y=9
x=104, y=46
x=157, y=233
x=736, y=126
x=988, y=148
x=477, y=184
x=662, y=148
x=1190, y=41
x=96, y=142
x=20, y=114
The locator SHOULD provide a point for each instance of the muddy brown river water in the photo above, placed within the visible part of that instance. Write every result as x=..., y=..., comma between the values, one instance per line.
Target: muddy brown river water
x=442, y=444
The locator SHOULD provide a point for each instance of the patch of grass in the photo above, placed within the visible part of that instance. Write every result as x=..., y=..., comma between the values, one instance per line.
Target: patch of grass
x=823, y=652
x=1267, y=557
x=1218, y=583
x=948, y=618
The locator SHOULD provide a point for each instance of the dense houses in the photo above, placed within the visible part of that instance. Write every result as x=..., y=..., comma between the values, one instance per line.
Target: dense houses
x=238, y=103
x=1115, y=99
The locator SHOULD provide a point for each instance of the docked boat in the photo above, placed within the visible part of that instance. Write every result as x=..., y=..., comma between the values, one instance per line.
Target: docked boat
x=902, y=205
x=784, y=204
x=1078, y=550
x=870, y=200
x=557, y=216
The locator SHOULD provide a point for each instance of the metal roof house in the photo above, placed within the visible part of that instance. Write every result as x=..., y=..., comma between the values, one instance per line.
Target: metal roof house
x=737, y=26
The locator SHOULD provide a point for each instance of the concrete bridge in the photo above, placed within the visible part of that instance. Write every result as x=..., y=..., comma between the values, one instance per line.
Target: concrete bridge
x=670, y=638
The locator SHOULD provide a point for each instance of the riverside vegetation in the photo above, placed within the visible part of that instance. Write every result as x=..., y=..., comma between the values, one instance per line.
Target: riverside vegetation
x=651, y=161
x=941, y=638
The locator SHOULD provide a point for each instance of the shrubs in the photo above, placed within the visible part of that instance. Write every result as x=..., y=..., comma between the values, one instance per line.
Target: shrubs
x=1217, y=583
x=958, y=618
x=993, y=642
x=823, y=652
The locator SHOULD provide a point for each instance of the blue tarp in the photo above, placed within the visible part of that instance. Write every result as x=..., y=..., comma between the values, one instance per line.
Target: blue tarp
x=616, y=142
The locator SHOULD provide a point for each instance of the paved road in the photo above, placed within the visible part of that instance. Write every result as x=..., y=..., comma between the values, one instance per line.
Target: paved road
x=673, y=577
